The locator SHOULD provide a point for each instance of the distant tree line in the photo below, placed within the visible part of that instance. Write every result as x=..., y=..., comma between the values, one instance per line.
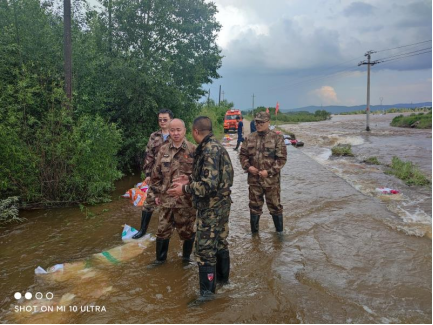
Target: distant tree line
x=291, y=117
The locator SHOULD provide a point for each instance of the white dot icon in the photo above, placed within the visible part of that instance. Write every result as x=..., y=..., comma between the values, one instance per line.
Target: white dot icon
x=17, y=295
x=39, y=295
x=28, y=295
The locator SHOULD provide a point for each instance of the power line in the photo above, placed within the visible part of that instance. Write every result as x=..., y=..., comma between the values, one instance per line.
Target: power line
x=404, y=57
x=399, y=47
x=401, y=54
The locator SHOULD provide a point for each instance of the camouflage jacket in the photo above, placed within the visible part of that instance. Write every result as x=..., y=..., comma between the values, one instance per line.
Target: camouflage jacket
x=170, y=163
x=265, y=151
x=156, y=140
x=212, y=174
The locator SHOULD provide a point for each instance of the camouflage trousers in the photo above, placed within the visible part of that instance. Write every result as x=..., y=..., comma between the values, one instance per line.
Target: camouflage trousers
x=149, y=204
x=272, y=195
x=181, y=219
x=212, y=231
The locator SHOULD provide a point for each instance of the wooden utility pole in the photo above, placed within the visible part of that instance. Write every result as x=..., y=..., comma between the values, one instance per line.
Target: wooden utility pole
x=67, y=46
x=368, y=63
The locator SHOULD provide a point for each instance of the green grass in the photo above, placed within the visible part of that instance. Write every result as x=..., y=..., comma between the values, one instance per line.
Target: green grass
x=290, y=117
x=408, y=172
x=342, y=150
x=418, y=121
x=372, y=161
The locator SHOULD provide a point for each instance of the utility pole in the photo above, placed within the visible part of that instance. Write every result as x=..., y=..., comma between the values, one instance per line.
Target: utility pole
x=219, y=97
x=253, y=104
x=368, y=63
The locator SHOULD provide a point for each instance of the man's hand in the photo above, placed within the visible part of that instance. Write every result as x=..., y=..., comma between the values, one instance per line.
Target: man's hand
x=175, y=190
x=253, y=170
x=147, y=180
x=157, y=201
x=263, y=173
x=181, y=179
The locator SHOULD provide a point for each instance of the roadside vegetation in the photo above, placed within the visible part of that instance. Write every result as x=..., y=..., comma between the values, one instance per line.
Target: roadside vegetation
x=57, y=152
x=418, y=121
x=291, y=117
x=216, y=113
x=342, y=150
x=9, y=210
x=408, y=172
x=372, y=161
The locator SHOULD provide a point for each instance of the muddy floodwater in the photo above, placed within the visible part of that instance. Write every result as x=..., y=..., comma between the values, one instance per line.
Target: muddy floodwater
x=348, y=255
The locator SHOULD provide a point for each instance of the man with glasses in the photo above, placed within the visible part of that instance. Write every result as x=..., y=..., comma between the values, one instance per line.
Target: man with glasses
x=156, y=140
x=263, y=154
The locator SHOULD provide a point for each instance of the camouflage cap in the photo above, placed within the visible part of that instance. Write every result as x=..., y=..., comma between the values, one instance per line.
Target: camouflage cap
x=262, y=116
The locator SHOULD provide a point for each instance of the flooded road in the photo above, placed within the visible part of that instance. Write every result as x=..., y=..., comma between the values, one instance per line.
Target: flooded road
x=345, y=258
x=414, y=203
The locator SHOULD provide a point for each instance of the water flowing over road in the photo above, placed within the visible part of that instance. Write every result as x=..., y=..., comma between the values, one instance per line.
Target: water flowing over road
x=345, y=257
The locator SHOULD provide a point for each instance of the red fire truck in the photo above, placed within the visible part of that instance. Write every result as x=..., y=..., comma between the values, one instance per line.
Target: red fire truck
x=230, y=123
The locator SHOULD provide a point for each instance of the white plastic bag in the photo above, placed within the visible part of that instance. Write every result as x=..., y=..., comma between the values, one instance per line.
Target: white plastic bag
x=128, y=232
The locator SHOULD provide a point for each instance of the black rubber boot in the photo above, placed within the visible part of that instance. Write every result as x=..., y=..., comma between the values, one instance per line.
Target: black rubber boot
x=223, y=266
x=187, y=249
x=161, y=250
x=278, y=222
x=254, y=221
x=207, y=276
x=145, y=219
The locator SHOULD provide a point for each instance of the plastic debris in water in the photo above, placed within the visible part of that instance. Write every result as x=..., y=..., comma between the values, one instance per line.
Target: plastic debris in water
x=386, y=190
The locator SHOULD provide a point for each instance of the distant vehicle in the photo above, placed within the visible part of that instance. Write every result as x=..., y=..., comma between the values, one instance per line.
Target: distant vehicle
x=230, y=123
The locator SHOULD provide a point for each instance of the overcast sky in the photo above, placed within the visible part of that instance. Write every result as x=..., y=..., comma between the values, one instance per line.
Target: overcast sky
x=302, y=53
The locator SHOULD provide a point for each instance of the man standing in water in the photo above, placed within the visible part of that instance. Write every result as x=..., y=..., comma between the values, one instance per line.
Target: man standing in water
x=209, y=186
x=155, y=142
x=263, y=155
x=175, y=158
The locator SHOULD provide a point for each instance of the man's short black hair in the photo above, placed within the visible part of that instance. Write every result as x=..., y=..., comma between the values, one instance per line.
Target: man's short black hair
x=166, y=111
x=203, y=124
x=238, y=118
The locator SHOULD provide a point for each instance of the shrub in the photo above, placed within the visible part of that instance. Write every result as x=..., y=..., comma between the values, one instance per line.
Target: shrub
x=9, y=210
x=372, y=160
x=63, y=163
x=342, y=150
x=408, y=172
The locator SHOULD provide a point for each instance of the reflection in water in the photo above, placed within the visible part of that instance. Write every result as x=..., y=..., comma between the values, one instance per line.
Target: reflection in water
x=343, y=258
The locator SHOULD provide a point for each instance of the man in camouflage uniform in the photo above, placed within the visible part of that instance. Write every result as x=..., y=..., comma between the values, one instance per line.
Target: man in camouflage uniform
x=155, y=142
x=175, y=158
x=209, y=186
x=263, y=154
